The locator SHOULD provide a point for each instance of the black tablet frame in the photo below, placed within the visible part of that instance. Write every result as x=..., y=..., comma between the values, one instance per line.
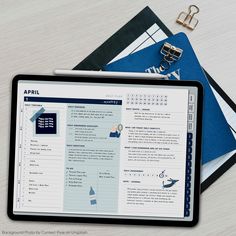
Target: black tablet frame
x=104, y=81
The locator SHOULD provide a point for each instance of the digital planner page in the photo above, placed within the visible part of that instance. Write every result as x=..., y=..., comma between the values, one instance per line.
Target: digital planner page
x=100, y=149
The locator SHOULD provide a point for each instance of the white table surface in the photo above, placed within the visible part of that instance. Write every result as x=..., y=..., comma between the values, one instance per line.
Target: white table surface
x=39, y=36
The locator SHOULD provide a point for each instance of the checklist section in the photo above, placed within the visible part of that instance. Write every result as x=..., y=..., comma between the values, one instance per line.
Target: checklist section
x=42, y=156
x=92, y=155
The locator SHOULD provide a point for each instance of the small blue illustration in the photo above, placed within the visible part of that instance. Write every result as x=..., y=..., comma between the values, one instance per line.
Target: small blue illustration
x=92, y=196
x=170, y=184
x=116, y=131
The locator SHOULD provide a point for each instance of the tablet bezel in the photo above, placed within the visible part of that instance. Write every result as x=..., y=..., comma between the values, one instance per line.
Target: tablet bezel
x=122, y=80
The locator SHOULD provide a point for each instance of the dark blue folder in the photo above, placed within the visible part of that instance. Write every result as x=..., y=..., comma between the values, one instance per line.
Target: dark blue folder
x=217, y=136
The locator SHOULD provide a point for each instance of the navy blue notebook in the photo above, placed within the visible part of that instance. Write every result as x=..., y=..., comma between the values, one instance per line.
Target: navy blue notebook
x=217, y=136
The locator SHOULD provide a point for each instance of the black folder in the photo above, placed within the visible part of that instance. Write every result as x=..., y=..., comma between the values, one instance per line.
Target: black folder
x=127, y=35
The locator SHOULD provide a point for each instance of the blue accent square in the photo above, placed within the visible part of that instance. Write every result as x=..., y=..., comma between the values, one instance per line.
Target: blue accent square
x=189, y=164
x=187, y=206
x=186, y=213
x=188, y=178
x=189, y=136
x=46, y=123
x=189, y=156
x=189, y=142
x=189, y=150
x=187, y=198
x=188, y=171
x=188, y=192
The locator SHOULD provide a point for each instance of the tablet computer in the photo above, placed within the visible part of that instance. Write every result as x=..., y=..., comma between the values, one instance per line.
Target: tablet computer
x=111, y=150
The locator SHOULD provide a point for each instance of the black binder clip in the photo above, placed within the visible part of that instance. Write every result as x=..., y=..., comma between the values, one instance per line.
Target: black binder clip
x=171, y=54
x=187, y=19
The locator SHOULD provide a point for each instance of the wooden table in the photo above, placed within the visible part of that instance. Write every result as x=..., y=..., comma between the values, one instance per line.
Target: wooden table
x=39, y=36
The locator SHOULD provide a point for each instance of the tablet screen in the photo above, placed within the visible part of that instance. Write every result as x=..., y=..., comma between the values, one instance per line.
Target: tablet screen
x=105, y=150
